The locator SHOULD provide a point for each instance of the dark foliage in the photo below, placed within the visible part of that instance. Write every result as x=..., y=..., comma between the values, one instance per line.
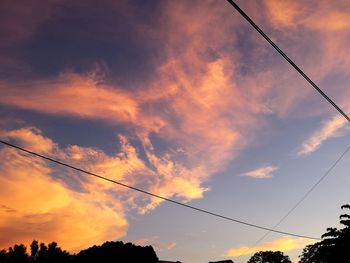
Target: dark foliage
x=39, y=254
x=269, y=257
x=116, y=252
x=334, y=247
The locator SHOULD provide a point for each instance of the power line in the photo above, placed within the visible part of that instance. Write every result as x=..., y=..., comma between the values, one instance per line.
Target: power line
x=301, y=72
x=303, y=197
x=306, y=194
x=151, y=194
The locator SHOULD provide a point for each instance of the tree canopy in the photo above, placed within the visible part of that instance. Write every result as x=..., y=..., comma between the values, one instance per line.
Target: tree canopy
x=269, y=257
x=108, y=252
x=334, y=247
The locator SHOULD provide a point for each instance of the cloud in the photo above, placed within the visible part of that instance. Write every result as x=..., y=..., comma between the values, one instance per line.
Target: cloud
x=328, y=24
x=171, y=245
x=283, y=244
x=328, y=130
x=336, y=21
x=36, y=206
x=195, y=105
x=283, y=13
x=263, y=172
x=326, y=18
x=31, y=138
x=74, y=95
x=40, y=201
x=49, y=199
x=197, y=113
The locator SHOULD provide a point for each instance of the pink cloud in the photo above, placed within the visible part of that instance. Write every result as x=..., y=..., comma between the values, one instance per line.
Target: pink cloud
x=263, y=172
x=328, y=130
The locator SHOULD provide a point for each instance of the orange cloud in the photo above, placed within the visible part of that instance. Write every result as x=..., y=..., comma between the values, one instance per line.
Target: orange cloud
x=31, y=139
x=38, y=202
x=283, y=13
x=72, y=94
x=263, y=172
x=49, y=200
x=36, y=206
x=283, y=244
x=332, y=20
x=326, y=17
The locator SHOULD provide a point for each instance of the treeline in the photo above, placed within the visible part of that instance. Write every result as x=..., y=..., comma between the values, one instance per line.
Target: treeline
x=333, y=248
x=108, y=252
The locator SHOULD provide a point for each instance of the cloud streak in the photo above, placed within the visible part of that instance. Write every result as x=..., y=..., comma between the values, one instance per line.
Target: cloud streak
x=329, y=129
x=264, y=172
x=283, y=244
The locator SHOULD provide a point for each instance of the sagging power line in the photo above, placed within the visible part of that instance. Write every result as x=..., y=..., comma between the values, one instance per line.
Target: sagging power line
x=149, y=193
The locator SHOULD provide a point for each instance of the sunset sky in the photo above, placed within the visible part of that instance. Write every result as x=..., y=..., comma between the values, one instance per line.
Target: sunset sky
x=183, y=99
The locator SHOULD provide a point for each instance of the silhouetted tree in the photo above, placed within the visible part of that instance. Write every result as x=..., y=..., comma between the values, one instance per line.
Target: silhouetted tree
x=3, y=256
x=17, y=254
x=42, y=254
x=109, y=252
x=334, y=247
x=34, y=249
x=117, y=252
x=269, y=257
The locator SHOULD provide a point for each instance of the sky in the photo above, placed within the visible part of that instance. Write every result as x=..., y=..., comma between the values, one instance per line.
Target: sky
x=179, y=98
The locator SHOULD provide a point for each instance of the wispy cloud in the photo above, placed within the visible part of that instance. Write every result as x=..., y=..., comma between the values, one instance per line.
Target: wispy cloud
x=283, y=244
x=282, y=13
x=263, y=172
x=328, y=130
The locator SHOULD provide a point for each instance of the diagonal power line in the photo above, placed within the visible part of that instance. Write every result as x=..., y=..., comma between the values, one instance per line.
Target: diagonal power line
x=306, y=194
x=300, y=71
x=302, y=198
x=151, y=194
x=303, y=74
